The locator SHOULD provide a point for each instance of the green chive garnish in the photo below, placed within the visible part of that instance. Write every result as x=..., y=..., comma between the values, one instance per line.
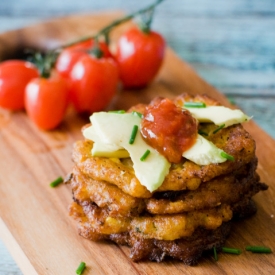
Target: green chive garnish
x=145, y=155
x=56, y=182
x=231, y=100
x=133, y=134
x=194, y=104
x=231, y=250
x=80, y=268
x=227, y=156
x=135, y=113
x=118, y=111
x=219, y=128
x=215, y=254
x=202, y=133
x=258, y=249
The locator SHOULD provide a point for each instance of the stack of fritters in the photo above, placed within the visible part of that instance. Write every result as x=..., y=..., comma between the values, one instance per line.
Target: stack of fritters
x=189, y=213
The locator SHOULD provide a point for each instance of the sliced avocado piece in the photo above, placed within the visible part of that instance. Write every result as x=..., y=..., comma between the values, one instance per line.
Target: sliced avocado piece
x=101, y=149
x=112, y=128
x=107, y=150
x=204, y=152
x=219, y=115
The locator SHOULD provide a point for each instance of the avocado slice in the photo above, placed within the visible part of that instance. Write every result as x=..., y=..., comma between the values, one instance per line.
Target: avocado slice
x=204, y=152
x=101, y=149
x=219, y=115
x=115, y=130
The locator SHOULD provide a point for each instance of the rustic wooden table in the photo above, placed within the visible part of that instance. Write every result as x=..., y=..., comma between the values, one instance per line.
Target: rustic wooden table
x=231, y=44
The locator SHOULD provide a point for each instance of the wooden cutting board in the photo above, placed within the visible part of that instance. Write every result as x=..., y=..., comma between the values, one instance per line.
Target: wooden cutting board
x=34, y=223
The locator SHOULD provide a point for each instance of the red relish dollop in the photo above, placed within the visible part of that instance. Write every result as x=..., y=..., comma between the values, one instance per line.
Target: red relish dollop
x=169, y=129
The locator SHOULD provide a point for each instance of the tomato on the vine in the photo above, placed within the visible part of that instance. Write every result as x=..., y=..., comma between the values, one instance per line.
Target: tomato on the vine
x=14, y=76
x=93, y=83
x=139, y=55
x=70, y=55
x=46, y=101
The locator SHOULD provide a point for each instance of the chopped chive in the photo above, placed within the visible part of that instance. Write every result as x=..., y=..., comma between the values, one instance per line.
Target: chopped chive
x=231, y=250
x=80, y=268
x=258, y=249
x=56, y=182
x=118, y=111
x=215, y=254
x=219, y=128
x=135, y=113
x=194, y=104
x=231, y=100
x=133, y=134
x=145, y=155
x=227, y=156
x=202, y=133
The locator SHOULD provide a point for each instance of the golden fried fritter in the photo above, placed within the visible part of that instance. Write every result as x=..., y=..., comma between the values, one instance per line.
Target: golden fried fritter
x=227, y=189
x=106, y=196
x=187, y=175
x=83, y=224
x=234, y=140
x=223, y=189
x=162, y=227
x=172, y=227
x=186, y=249
x=105, y=169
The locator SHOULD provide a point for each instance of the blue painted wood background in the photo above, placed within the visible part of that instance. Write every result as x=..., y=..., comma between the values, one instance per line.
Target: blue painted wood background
x=231, y=44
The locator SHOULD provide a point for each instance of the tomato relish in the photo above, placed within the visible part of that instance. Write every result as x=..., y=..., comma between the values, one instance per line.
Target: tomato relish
x=169, y=129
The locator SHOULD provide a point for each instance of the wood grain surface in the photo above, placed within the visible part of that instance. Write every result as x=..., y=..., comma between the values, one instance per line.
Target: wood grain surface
x=35, y=225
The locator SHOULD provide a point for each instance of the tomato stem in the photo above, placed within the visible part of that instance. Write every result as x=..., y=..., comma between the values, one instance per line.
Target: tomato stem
x=47, y=62
x=96, y=51
x=146, y=21
x=107, y=29
x=44, y=62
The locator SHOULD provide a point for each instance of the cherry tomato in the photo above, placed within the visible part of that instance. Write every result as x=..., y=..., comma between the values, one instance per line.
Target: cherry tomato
x=14, y=76
x=69, y=56
x=94, y=83
x=139, y=56
x=46, y=100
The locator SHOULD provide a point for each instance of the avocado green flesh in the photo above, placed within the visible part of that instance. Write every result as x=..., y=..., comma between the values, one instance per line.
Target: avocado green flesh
x=115, y=130
x=101, y=148
x=219, y=115
x=204, y=152
x=104, y=150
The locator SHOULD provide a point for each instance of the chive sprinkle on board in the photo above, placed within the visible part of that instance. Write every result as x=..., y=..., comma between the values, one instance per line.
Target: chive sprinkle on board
x=231, y=250
x=215, y=254
x=80, y=268
x=56, y=182
x=194, y=104
x=258, y=249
